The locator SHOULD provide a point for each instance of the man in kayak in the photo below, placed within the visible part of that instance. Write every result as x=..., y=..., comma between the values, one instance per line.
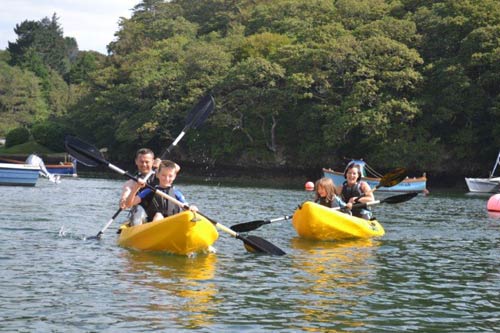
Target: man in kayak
x=145, y=162
x=157, y=207
x=353, y=190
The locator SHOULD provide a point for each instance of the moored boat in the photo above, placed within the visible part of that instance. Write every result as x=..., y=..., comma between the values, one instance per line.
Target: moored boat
x=18, y=174
x=485, y=185
x=62, y=169
x=313, y=221
x=184, y=233
x=414, y=184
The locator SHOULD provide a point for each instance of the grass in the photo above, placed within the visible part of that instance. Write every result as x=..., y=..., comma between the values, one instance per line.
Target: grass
x=30, y=147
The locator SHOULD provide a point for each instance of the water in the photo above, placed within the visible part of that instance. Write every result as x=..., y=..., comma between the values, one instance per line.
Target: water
x=435, y=270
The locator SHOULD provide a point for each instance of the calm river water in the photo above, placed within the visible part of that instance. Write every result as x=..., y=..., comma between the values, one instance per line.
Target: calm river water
x=437, y=269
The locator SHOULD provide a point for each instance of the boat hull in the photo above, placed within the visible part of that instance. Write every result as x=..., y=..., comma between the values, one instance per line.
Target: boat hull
x=316, y=222
x=417, y=184
x=483, y=185
x=63, y=169
x=183, y=234
x=18, y=174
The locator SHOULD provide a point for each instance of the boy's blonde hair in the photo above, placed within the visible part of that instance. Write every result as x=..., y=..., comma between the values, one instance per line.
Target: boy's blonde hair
x=169, y=165
x=328, y=185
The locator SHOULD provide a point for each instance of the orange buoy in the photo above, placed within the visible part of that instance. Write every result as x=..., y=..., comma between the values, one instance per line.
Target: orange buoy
x=494, y=203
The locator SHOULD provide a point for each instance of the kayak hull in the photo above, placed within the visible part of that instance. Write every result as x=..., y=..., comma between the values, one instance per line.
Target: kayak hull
x=183, y=234
x=316, y=222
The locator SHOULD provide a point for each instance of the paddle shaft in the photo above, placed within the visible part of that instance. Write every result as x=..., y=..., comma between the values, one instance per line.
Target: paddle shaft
x=99, y=234
x=249, y=226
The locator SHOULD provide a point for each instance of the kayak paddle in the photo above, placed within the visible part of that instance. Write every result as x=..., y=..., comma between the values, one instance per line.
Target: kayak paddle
x=395, y=199
x=252, y=225
x=391, y=178
x=91, y=156
x=193, y=120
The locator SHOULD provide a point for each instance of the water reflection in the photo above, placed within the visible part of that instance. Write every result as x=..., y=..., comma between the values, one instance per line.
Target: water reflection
x=334, y=270
x=180, y=287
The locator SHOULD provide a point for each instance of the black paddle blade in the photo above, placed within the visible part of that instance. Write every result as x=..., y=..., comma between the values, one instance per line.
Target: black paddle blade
x=84, y=152
x=392, y=178
x=249, y=226
x=260, y=245
x=200, y=112
x=399, y=198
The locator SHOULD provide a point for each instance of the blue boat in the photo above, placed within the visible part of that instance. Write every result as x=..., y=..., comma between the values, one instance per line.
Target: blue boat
x=62, y=169
x=415, y=184
x=18, y=174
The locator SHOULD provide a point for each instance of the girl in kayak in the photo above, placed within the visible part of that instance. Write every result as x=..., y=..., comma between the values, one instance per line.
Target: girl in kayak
x=156, y=206
x=326, y=195
x=353, y=190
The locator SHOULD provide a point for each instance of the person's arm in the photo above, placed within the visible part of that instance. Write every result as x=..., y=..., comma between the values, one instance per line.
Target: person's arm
x=134, y=199
x=126, y=189
x=179, y=196
x=367, y=193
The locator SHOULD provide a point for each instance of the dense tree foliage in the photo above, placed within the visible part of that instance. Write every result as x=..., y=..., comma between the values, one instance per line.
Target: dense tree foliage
x=297, y=83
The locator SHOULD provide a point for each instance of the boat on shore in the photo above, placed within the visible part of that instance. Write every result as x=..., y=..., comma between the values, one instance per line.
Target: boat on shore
x=18, y=174
x=184, y=233
x=316, y=222
x=485, y=185
x=369, y=175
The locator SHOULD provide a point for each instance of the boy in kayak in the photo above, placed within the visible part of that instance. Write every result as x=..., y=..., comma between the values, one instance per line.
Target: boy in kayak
x=326, y=195
x=157, y=207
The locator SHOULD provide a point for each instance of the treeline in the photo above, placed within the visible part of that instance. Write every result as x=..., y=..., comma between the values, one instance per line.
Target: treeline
x=297, y=83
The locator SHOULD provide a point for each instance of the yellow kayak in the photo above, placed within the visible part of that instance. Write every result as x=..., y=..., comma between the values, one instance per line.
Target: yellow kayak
x=313, y=221
x=184, y=233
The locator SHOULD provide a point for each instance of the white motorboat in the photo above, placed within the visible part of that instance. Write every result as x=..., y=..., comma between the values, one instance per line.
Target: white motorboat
x=485, y=185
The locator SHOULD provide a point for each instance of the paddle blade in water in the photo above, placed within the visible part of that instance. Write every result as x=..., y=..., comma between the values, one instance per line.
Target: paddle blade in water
x=399, y=198
x=392, y=178
x=249, y=226
x=260, y=245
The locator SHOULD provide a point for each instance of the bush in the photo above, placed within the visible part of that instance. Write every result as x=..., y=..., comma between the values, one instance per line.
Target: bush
x=50, y=135
x=17, y=136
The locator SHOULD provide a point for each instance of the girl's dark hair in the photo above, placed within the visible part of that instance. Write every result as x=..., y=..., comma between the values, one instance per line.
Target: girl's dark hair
x=351, y=166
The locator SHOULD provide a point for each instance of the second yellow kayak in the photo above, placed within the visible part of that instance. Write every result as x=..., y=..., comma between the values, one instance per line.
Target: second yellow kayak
x=313, y=221
x=184, y=233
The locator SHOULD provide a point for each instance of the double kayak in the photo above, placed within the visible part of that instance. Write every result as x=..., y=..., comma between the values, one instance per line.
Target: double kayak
x=184, y=233
x=313, y=221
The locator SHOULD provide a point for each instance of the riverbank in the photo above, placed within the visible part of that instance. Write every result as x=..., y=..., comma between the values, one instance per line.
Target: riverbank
x=285, y=178
x=229, y=175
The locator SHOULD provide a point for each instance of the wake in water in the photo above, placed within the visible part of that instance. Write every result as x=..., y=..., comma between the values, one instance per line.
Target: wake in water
x=66, y=233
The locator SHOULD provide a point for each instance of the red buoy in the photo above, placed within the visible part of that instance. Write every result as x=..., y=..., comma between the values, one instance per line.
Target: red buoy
x=309, y=186
x=494, y=203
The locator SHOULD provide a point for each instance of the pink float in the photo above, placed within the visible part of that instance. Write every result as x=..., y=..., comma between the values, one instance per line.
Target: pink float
x=494, y=203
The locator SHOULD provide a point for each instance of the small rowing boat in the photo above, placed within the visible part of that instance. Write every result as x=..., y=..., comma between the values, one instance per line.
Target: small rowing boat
x=313, y=221
x=184, y=233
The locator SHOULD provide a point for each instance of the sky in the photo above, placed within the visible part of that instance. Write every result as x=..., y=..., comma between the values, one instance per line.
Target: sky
x=92, y=23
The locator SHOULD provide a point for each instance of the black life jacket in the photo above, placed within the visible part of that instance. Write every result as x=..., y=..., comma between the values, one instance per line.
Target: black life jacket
x=349, y=192
x=153, y=203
